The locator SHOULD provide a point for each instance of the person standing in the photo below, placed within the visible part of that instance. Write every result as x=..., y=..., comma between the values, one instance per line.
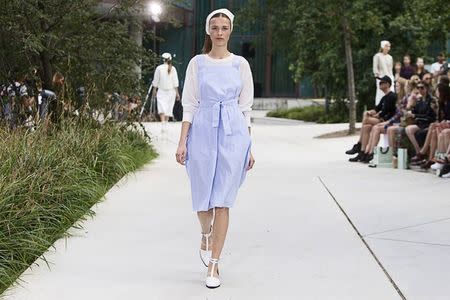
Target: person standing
x=215, y=143
x=382, y=66
x=165, y=88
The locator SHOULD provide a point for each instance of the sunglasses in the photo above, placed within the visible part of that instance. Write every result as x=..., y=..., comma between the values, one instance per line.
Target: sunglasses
x=421, y=87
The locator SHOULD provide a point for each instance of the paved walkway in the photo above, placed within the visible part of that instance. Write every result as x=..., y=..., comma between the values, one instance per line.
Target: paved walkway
x=288, y=238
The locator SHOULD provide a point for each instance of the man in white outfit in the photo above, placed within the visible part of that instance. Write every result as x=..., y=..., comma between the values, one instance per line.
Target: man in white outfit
x=382, y=66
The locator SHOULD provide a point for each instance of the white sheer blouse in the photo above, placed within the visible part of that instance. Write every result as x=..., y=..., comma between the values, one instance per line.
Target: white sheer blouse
x=191, y=97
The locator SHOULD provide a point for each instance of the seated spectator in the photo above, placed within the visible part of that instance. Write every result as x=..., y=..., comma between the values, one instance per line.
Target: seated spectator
x=422, y=113
x=414, y=79
x=420, y=68
x=444, y=171
x=380, y=128
x=382, y=112
x=398, y=77
x=407, y=70
x=396, y=125
x=443, y=94
x=428, y=80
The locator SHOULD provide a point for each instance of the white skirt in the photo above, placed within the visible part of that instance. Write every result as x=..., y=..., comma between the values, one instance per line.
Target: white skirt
x=165, y=101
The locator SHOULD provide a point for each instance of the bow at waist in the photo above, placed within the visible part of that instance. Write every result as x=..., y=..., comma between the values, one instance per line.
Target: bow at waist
x=221, y=110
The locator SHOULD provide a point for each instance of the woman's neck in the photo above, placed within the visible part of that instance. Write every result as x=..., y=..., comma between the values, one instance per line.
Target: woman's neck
x=219, y=52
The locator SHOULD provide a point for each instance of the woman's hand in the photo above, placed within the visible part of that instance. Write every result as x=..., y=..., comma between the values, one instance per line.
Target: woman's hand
x=251, y=162
x=181, y=153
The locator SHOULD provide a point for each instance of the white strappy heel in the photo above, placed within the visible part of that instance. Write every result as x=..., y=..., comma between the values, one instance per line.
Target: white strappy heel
x=211, y=281
x=205, y=255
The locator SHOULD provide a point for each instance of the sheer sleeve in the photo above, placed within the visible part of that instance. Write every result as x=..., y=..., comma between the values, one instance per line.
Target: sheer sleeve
x=175, y=82
x=190, y=92
x=155, y=82
x=247, y=93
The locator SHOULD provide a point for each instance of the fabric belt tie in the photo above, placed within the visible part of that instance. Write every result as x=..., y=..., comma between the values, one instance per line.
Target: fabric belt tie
x=221, y=111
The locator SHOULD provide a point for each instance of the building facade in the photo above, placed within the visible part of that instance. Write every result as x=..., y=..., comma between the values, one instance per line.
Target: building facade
x=184, y=40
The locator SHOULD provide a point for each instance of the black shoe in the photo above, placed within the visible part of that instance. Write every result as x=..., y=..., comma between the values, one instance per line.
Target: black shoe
x=367, y=158
x=358, y=157
x=356, y=148
x=444, y=171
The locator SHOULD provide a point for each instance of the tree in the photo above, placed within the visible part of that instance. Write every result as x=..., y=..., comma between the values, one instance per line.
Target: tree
x=334, y=41
x=89, y=47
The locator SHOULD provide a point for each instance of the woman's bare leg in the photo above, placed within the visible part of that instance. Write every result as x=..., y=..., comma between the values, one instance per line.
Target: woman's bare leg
x=410, y=131
x=433, y=143
x=440, y=143
x=427, y=143
x=375, y=137
x=220, y=229
x=391, y=132
x=446, y=133
x=205, y=218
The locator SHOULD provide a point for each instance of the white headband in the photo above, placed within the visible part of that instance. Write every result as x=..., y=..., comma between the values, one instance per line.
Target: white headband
x=383, y=43
x=166, y=56
x=224, y=11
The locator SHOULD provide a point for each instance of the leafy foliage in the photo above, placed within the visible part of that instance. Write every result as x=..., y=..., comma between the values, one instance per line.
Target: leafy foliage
x=51, y=178
x=310, y=34
x=337, y=113
x=88, y=46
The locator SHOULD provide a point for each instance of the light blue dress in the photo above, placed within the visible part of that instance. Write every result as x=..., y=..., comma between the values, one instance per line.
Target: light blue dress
x=218, y=143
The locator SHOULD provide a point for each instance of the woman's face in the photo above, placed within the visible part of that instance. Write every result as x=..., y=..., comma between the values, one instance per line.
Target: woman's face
x=220, y=31
x=406, y=60
x=422, y=89
x=419, y=62
x=387, y=48
x=398, y=67
x=427, y=78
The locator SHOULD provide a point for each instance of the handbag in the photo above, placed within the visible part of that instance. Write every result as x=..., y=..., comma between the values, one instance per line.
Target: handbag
x=406, y=121
x=382, y=154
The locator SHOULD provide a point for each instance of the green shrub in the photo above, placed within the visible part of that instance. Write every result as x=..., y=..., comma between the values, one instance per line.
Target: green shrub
x=51, y=178
x=338, y=113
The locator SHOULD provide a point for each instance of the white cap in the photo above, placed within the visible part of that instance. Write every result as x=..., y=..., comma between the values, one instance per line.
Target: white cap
x=167, y=56
x=224, y=11
x=383, y=44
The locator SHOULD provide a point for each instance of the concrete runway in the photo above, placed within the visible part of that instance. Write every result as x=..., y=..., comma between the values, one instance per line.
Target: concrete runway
x=307, y=224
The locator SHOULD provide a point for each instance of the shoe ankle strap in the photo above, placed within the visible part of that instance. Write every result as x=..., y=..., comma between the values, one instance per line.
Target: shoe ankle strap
x=214, y=260
x=207, y=236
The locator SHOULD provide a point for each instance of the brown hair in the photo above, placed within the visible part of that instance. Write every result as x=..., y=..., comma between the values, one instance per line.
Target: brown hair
x=169, y=62
x=412, y=84
x=444, y=94
x=402, y=93
x=207, y=45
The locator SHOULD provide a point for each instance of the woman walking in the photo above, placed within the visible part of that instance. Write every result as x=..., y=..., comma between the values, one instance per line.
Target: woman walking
x=165, y=83
x=215, y=135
